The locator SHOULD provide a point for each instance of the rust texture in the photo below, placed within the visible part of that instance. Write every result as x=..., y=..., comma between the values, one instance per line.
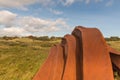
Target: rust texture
x=82, y=55
x=115, y=58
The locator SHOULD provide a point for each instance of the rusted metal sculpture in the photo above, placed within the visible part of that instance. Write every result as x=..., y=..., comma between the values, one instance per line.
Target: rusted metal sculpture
x=83, y=55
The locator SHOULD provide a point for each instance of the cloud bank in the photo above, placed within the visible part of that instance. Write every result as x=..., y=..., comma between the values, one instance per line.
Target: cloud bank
x=12, y=24
x=22, y=4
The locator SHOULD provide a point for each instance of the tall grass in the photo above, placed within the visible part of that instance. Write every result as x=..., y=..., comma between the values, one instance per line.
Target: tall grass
x=20, y=59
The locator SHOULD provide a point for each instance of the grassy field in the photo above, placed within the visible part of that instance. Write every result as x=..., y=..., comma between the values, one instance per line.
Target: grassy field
x=21, y=58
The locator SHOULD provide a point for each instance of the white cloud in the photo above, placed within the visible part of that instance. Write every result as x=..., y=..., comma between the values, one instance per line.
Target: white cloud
x=109, y=3
x=87, y=1
x=67, y=2
x=22, y=4
x=12, y=31
x=56, y=12
x=16, y=3
x=6, y=18
x=29, y=25
x=32, y=24
x=70, y=2
x=96, y=1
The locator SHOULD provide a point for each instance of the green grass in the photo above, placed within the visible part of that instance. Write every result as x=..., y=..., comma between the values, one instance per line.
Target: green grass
x=114, y=44
x=21, y=58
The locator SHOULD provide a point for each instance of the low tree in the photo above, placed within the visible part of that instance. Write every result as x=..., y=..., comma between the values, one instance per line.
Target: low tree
x=32, y=37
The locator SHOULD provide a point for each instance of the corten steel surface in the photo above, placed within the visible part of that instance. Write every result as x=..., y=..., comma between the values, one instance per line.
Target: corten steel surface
x=83, y=55
x=96, y=59
x=115, y=58
x=70, y=71
x=53, y=67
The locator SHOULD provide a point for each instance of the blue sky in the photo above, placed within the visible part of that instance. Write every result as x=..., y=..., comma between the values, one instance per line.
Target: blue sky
x=58, y=17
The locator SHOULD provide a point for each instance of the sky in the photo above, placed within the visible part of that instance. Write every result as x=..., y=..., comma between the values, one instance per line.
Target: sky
x=58, y=17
